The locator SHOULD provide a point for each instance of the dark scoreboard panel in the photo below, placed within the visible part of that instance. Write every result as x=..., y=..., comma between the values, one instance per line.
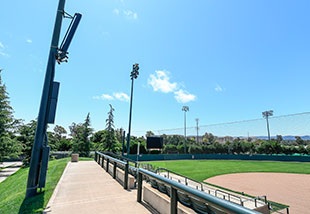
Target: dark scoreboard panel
x=154, y=142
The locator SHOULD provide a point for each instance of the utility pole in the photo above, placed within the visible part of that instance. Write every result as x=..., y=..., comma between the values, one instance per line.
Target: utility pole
x=47, y=111
x=266, y=115
x=185, y=109
x=197, y=129
x=133, y=75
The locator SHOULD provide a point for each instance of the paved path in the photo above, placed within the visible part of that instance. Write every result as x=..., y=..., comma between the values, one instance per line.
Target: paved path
x=9, y=169
x=86, y=188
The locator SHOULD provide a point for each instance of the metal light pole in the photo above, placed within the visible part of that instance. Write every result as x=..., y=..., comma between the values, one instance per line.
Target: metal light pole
x=138, y=151
x=124, y=139
x=266, y=115
x=197, y=128
x=133, y=75
x=185, y=109
x=40, y=149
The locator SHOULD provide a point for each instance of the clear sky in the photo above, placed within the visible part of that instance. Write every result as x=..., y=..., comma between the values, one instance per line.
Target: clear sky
x=227, y=60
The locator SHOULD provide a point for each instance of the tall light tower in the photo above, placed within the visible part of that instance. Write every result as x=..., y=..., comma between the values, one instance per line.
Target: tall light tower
x=266, y=115
x=40, y=149
x=133, y=75
x=197, y=129
x=185, y=109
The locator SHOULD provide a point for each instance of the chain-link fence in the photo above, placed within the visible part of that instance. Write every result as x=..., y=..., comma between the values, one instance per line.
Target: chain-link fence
x=288, y=126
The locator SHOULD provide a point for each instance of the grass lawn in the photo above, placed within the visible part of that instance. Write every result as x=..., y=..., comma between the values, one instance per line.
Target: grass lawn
x=203, y=169
x=13, y=189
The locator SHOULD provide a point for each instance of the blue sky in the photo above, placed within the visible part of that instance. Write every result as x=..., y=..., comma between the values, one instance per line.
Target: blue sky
x=227, y=60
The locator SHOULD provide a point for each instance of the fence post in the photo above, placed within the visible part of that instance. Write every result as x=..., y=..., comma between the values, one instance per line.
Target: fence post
x=108, y=162
x=173, y=201
x=126, y=176
x=139, y=193
x=114, y=170
x=96, y=156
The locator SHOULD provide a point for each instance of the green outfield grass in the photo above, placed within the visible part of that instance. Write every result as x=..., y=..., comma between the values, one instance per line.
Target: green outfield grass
x=203, y=169
x=13, y=189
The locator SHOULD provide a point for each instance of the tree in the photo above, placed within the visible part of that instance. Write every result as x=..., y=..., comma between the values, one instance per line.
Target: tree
x=279, y=138
x=9, y=147
x=6, y=111
x=299, y=140
x=59, y=132
x=119, y=134
x=59, y=140
x=208, y=138
x=26, y=133
x=81, y=134
x=149, y=133
x=110, y=120
x=112, y=145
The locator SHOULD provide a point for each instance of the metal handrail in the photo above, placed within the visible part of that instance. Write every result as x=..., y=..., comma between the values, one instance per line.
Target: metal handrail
x=229, y=195
x=111, y=158
x=282, y=207
x=202, y=189
x=116, y=163
x=212, y=201
x=185, y=178
x=119, y=157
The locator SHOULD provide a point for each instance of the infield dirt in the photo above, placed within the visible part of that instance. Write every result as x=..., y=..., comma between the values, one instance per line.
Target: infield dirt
x=285, y=188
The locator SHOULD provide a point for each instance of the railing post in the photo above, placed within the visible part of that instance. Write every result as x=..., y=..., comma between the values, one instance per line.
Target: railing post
x=114, y=169
x=173, y=201
x=139, y=193
x=108, y=162
x=102, y=162
x=287, y=210
x=126, y=176
x=136, y=177
x=96, y=156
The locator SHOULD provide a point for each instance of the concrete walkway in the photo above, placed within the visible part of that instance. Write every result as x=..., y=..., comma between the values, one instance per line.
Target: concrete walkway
x=86, y=188
x=9, y=169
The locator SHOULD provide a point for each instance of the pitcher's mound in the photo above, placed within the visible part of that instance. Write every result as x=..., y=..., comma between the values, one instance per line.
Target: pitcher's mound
x=285, y=188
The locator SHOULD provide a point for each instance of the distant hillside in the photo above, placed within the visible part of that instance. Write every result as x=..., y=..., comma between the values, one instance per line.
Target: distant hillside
x=288, y=137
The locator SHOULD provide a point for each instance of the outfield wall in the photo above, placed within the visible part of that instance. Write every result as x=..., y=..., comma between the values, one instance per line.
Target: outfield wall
x=294, y=158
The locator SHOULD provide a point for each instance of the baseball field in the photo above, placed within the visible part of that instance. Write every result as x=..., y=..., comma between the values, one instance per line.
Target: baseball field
x=283, y=182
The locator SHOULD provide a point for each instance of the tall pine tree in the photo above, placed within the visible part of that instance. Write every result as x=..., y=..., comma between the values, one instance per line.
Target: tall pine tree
x=6, y=111
x=109, y=138
x=9, y=147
